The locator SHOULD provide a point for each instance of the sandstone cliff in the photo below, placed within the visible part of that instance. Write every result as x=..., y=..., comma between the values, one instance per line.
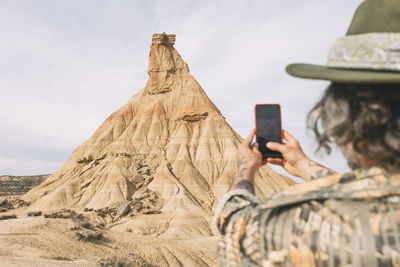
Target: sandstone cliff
x=168, y=152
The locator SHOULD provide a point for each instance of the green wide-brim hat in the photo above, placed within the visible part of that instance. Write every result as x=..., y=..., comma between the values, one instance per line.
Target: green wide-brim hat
x=370, y=51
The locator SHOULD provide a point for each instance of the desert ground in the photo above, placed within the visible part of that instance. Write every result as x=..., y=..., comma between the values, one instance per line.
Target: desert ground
x=80, y=238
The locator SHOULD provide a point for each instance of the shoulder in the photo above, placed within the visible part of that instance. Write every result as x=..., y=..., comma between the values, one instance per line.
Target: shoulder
x=359, y=184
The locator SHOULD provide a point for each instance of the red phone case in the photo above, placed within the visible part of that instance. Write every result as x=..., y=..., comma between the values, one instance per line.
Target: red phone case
x=280, y=117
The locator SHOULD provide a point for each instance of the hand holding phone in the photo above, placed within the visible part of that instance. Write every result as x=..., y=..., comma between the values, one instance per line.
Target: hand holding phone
x=268, y=128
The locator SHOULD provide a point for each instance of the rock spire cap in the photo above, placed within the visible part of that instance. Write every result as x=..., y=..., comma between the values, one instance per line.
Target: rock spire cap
x=163, y=39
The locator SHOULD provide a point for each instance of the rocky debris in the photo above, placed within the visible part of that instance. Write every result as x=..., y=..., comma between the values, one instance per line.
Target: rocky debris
x=85, y=160
x=193, y=117
x=144, y=201
x=122, y=210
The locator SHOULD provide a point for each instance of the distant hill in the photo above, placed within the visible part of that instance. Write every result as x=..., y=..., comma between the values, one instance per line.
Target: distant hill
x=18, y=185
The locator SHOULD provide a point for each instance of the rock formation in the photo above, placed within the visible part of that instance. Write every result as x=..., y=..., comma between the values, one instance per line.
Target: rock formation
x=168, y=152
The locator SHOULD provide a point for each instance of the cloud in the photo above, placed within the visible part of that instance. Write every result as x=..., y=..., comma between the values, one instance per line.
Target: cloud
x=67, y=65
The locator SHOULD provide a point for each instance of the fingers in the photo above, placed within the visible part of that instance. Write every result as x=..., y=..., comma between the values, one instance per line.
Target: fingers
x=276, y=147
x=289, y=138
x=256, y=150
x=275, y=161
x=249, y=138
x=255, y=147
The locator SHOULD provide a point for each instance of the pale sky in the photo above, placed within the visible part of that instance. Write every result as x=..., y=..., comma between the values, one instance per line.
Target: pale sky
x=68, y=64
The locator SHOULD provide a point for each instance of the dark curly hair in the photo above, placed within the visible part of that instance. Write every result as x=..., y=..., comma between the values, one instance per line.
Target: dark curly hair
x=364, y=117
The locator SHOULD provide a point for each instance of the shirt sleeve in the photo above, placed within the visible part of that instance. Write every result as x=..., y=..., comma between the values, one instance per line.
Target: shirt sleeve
x=232, y=202
x=253, y=235
x=231, y=214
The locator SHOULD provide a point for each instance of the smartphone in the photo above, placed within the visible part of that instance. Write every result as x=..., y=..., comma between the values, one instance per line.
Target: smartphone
x=268, y=128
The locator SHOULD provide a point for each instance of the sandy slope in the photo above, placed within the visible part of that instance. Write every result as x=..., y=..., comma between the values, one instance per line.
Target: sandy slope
x=39, y=241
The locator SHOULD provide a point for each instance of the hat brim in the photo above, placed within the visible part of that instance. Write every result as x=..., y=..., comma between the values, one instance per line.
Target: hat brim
x=318, y=72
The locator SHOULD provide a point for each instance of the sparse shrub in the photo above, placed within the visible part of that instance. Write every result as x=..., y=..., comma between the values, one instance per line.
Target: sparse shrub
x=87, y=225
x=152, y=211
x=57, y=215
x=92, y=237
x=115, y=262
x=134, y=260
x=6, y=204
x=89, y=236
x=85, y=160
x=6, y=217
x=65, y=214
x=129, y=230
x=80, y=236
x=13, y=203
x=3, y=209
x=103, y=212
x=60, y=258
x=34, y=213
x=87, y=209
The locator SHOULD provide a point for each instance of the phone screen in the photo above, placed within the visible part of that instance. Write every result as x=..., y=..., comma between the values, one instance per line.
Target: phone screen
x=268, y=124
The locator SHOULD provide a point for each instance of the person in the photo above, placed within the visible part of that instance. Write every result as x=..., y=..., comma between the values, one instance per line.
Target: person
x=332, y=219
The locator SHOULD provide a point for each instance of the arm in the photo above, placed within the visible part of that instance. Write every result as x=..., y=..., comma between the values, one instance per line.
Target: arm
x=313, y=170
x=294, y=160
x=240, y=218
x=237, y=205
x=249, y=160
x=241, y=196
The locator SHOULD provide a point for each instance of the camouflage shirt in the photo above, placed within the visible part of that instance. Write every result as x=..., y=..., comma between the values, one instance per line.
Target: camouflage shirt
x=340, y=220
